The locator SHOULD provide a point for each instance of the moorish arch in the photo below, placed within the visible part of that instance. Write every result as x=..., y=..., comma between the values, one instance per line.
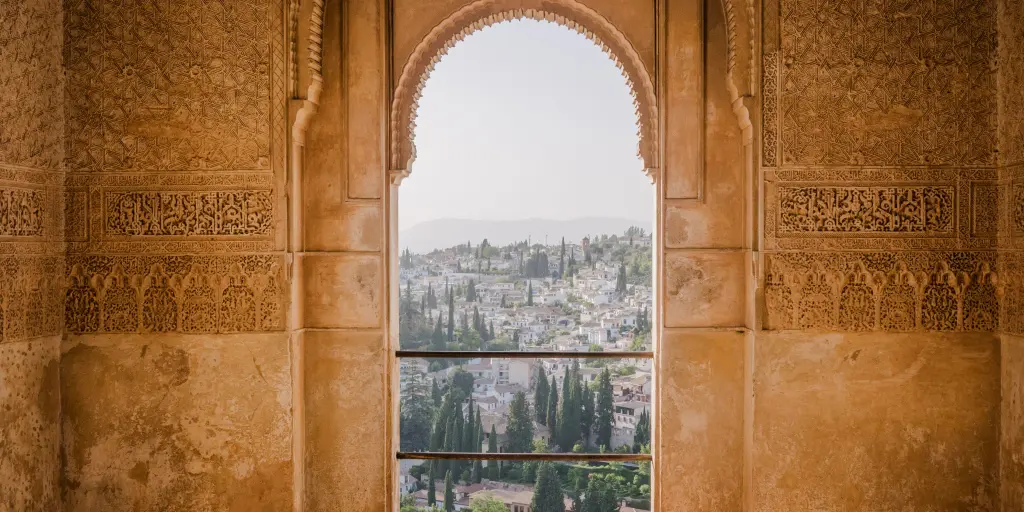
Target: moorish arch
x=484, y=13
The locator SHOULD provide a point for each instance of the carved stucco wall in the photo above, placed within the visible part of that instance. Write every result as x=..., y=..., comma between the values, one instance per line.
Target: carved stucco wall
x=882, y=283
x=1011, y=160
x=31, y=255
x=175, y=372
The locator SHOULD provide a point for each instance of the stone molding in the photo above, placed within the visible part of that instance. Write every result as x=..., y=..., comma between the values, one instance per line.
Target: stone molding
x=884, y=291
x=482, y=13
x=185, y=294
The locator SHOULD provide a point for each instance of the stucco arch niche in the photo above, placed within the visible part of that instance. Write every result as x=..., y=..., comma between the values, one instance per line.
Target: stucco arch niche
x=484, y=13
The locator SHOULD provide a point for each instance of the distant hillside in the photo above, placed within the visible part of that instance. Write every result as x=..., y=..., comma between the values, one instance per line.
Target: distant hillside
x=443, y=233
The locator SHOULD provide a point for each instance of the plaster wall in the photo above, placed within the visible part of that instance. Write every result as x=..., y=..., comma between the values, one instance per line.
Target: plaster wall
x=878, y=370
x=176, y=375
x=31, y=252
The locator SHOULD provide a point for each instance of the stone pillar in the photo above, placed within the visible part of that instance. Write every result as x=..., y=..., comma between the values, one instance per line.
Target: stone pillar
x=31, y=252
x=175, y=371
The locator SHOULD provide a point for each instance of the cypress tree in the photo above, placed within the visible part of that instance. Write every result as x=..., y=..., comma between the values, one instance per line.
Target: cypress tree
x=451, y=316
x=437, y=338
x=435, y=393
x=548, y=495
x=471, y=292
x=642, y=435
x=540, y=396
x=604, y=413
x=587, y=415
x=476, y=321
x=431, y=488
x=552, y=412
x=492, y=447
x=449, y=493
x=529, y=297
x=520, y=425
x=469, y=431
x=561, y=260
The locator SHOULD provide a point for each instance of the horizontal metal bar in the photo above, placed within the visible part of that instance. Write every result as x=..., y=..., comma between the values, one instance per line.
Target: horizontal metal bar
x=542, y=354
x=569, y=457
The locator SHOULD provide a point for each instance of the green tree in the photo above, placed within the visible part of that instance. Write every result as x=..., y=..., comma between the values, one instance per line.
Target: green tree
x=587, y=415
x=548, y=495
x=520, y=425
x=449, y=493
x=435, y=393
x=451, y=316
x=642, y=435
x=437, y=338
x=415, y=410
x=471, y=292
x=487, y=504
x=599, y=497
x=540, y=396
x=431, y=486
x=492, y=447
x=604, y=412
x=561, y=260
x=551, y=419
x=462, y=381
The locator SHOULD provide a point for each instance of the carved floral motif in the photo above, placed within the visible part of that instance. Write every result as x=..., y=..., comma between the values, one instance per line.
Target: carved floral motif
x=32, y=295
x=194, y=294
x=891, y=291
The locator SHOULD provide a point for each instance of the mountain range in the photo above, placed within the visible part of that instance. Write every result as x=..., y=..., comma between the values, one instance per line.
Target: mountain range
x=443, y=233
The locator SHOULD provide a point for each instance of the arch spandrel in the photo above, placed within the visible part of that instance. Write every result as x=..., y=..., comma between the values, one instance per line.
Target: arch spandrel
x=484, y=13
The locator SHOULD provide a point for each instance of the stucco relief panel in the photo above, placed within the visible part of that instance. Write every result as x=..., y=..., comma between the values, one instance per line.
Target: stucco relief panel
x=31, y=296
x=31, y=111
x=184, y=86
x=881, y=208
x=1011, y=75
x=883, y=83
x=883, y=291
x=189, y=294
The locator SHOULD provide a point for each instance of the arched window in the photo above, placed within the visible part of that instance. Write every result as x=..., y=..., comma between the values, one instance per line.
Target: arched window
x=522, y=273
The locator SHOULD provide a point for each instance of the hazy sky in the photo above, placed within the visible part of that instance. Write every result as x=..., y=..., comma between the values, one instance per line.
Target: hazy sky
x=525, y=119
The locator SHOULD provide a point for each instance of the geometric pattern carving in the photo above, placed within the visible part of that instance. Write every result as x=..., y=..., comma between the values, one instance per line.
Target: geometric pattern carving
x=189, y=294
x=890, y=291
x=861, y=84
x=185, y=86
x=984, y=209
x=880, y=210
x=31, y=110
x=1011, y=87
x=21, y=212
x=213, y=213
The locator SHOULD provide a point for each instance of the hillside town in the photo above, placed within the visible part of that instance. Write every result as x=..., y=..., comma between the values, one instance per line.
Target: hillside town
x=588, y=296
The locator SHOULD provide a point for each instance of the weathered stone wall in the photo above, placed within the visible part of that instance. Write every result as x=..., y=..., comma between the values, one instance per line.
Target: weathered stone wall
x=1011, y=160
x=176, y=374
x=876, y=385
x=31, y=254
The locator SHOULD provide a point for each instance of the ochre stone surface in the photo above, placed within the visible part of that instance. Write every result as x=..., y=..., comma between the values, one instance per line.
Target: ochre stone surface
x=705, y=289
x=346, y=413
x=342, y=290
x=876, y=422
x=1012, y=435
x=700, y=421
x=30, y=425
x=177, y=423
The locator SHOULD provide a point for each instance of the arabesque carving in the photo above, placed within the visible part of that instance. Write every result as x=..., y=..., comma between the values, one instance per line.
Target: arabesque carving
x=178, y=101
x=189, y=294
x=890, y=291
x=31, y=113
x=851, y=210
x=31, y=297
x=21, y=212
x=887, y=83
x=206, y=213
x=483, y=13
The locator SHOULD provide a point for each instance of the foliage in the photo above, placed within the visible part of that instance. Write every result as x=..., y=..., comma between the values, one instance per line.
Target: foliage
x=604, y=412
x=547, y=495
x=415, y=410
x=540, y=396
x=487, y=504
x=520, y=425
x=449, y=493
